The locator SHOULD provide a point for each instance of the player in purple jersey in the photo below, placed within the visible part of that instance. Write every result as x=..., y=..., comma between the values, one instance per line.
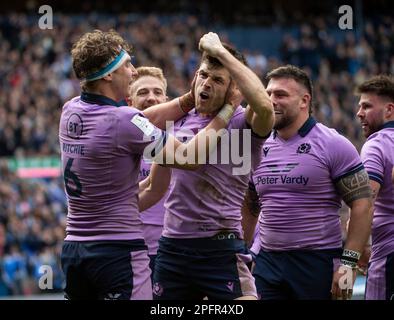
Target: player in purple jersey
x=202, y=252
x=102, y=141
x=376, y=114
x=305, y=171
x=149, y=88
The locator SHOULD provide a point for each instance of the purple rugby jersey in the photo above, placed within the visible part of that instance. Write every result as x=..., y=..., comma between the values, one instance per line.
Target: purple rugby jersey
x=206, y=201
x=378, y=158
x=295, y=183
x=101, y=149
x=152, y=218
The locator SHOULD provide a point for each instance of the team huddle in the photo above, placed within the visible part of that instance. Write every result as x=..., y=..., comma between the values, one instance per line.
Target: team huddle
x=199, y=197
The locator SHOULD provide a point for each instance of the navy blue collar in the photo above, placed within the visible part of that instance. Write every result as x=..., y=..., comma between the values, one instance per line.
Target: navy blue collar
x=389, y=124
x=307, y=126
x=100, y=100
x=305, y=129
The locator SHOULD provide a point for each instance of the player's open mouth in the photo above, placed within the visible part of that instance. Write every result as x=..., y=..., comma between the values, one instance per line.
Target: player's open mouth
x=204, y=96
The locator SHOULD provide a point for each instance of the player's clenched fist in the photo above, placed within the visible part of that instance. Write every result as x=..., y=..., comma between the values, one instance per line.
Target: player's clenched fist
x=210, y=43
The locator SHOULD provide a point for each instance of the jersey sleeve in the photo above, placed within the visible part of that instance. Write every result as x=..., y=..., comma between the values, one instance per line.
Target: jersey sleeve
x=343, y=158
x=238, y=121
x=372, y=158
x=137, y=135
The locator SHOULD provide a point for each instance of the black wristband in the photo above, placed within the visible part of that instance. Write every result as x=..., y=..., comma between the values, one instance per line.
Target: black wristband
x=347, y=263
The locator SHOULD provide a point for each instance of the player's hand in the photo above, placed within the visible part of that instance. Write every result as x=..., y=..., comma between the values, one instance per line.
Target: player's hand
x=193, y=87
x=364, y=259
x=233, y=95
x=342, y=283
x=211, y=44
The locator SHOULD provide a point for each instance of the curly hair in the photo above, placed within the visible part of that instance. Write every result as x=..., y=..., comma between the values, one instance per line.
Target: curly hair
x=94, y=50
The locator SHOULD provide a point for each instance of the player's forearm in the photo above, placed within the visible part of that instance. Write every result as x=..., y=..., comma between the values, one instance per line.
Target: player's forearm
x=167, y=111
x=148, y=198
x=360, y=223
x=261, y=124
x=260, y=112
x=197, y=150
x=248, y=222
x=250, y=212
x=191, y=155
x=248, y=83
x=144, y=184
x=207, y=139
x=154, y=187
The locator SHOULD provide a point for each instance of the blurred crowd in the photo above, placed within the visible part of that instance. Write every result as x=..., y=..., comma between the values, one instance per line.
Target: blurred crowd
x=32, y=224
x=337, y=67
x=36, y=78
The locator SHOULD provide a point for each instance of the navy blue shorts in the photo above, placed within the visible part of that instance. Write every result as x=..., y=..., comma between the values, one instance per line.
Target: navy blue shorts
x=296, y=274
x=152, y=262
x=109, y=270
x=191, y=269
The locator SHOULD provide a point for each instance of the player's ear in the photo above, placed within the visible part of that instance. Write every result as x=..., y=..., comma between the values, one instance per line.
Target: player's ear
x=389, y=110
x=167, y=98
x=108, y=77
x=306, y=99
x=129, y=101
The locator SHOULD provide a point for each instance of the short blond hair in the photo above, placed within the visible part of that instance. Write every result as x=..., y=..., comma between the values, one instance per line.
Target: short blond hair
x=95, y=50
x=152, y=72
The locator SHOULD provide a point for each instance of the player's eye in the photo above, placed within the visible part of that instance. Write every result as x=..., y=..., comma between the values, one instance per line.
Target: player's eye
x=142, y=92
x=203, y=75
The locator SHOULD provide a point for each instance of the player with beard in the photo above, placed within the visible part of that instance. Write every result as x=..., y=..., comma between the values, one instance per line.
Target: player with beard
x=306, y=170
x=376, y=114
x=102, y=140
x=202, y=252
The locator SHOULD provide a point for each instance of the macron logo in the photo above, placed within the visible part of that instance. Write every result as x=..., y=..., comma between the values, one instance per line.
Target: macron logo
x=265, y=150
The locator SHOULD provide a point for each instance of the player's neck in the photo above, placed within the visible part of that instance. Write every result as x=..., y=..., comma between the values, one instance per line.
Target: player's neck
x=292, y=129
x=106, y=92
x=208, y=114
x=205, y=115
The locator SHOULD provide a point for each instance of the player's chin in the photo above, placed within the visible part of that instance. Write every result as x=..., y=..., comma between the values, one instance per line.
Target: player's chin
x=201, y=107
x=366, y=132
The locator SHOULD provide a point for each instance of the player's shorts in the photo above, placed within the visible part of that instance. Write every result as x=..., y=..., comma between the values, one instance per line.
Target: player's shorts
x=191, y=269
x=109, y=270
x=296, y=274
x=380, y=279
x=152, y=234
